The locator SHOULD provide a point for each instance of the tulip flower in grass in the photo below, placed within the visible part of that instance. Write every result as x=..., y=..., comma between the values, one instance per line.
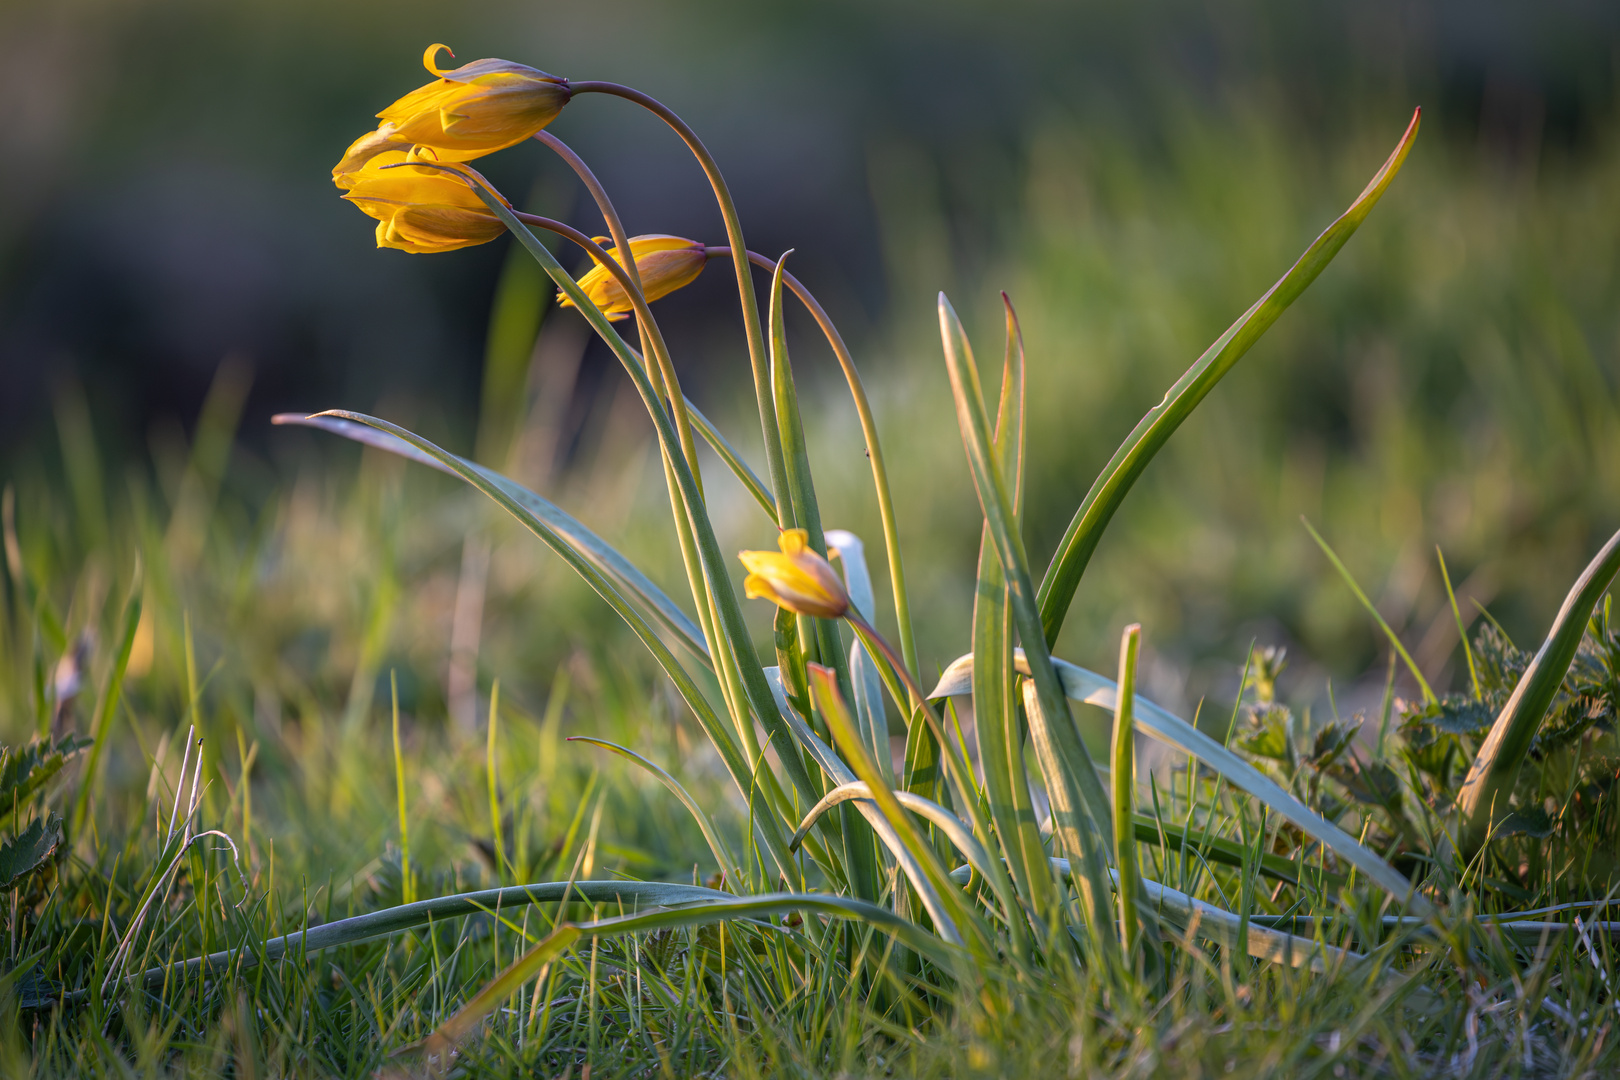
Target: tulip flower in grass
x=795, y=578
x=421, y=205
x=664, y=263
x=469, y=111
x=477, y=108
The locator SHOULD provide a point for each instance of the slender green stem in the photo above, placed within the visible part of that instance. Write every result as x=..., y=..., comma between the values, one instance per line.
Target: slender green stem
x=715, y=568
x=1123, y=781
x=731, y=677
x=874, y=451
x=739, y=259
x=652, y=335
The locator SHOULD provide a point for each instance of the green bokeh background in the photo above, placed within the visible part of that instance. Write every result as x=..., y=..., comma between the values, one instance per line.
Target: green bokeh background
x=1132, y=177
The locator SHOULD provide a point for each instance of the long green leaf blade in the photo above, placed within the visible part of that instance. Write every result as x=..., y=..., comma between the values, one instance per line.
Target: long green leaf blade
x=589, y=545
x=1079, y=804
x=1084, y=685
x=1154, y=430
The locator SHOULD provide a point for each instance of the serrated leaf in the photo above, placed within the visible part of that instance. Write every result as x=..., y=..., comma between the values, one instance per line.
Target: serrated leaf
x=29, y=850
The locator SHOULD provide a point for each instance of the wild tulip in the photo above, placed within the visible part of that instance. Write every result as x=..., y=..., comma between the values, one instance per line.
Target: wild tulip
x=475, y=109
x=795, y=578
x=422, y=206
x=665, y=263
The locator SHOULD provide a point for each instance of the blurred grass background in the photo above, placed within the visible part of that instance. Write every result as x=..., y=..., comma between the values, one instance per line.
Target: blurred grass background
x=174, y=267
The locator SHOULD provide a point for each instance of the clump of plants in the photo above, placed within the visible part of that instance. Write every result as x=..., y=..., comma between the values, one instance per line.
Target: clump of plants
x=992, y=860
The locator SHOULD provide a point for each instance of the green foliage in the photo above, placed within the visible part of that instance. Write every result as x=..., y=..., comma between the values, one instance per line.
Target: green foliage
x=852, y=917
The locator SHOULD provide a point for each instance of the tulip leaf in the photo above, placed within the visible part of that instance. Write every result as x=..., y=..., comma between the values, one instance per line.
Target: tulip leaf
x=598, y=580
x=1094, y=689
x=865, y=682
x=734, y=461
x=957, y=831
x=952, y=917
x=1079, y=805
x=996, y=721
x=1154, y=430
x=715, y=577
x=625, y=574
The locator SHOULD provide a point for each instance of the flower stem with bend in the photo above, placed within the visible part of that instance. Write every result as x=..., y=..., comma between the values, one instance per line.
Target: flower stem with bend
x=739, y=259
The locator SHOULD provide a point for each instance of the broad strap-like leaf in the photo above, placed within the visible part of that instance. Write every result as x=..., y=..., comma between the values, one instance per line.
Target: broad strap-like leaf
x=957, y=831
x=953, y=920
x=1490, y=778
x=1080, y=809
x=1154, y=430
x=997, y=724
x=604, y=586
x=590, y=546
x=866, y=685
x=1094, y=689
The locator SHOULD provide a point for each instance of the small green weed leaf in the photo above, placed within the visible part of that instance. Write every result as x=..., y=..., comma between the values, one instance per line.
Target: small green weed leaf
x=29, y=850
x=1533, y=822
x=25, y=769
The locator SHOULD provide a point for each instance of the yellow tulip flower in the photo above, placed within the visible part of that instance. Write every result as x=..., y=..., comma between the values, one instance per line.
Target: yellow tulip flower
x=796, y=578
x=665, y=263
x=474, y=109
x=421, y=205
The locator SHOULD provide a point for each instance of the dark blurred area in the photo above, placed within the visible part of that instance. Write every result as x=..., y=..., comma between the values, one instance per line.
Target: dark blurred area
x=166, y=202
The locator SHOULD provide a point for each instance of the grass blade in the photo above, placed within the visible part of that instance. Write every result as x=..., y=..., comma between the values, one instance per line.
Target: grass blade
x=111, y=694
x=1490, y=778
x=1394, y=639
x=717, y=846
x=1154, y=430
x=471, y=1015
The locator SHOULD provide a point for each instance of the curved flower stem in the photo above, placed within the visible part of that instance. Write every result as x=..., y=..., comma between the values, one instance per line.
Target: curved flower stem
x=739, y=259
x=874, y=452
x=919, y=703
x=967, y=795
x=730, y=678
x=651, y=335
x=730, y=623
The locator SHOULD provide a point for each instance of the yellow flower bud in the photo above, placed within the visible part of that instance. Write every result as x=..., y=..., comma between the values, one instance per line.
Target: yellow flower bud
x=475, y=109
x=665, y=263
x=422, y=206
x=797, y=579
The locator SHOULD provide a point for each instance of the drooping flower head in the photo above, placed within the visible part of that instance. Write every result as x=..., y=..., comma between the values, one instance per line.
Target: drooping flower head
x=795, y=578
x=665, y=263
x=422, y=205
x=477, y=108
